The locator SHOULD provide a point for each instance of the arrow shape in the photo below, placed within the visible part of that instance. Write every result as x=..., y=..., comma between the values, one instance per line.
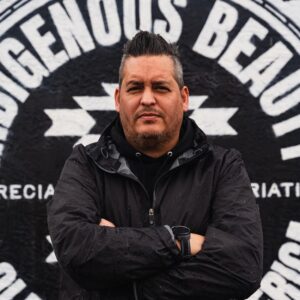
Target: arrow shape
x=214, y=121
x=69, y=122
x=102, y=103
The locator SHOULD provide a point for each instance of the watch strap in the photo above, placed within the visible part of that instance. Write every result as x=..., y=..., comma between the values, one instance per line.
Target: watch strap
x=182, y=235
x=185, y=247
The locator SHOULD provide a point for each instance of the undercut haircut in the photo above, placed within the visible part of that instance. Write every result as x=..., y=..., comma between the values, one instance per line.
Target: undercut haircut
x=146, y=43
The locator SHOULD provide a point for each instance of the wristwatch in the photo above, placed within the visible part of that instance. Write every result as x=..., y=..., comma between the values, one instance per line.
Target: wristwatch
x=183, y=234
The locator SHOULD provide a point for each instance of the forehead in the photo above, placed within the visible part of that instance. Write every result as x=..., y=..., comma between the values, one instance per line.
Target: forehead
x=148, y=67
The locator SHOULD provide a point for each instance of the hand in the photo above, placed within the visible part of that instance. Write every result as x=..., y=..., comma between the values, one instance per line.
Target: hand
x=107, y=223
x=196, y=242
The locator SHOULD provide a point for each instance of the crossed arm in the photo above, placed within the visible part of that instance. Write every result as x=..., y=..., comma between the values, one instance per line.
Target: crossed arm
x=226, y=263
x=196, y=240
x=199, y=277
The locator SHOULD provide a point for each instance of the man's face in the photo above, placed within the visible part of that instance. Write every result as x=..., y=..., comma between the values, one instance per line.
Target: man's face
x=150, y=102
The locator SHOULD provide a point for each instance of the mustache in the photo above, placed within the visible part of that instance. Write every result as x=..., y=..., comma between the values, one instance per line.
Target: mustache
x=147, y=111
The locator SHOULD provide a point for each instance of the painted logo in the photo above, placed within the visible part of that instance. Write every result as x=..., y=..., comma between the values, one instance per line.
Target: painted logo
x=58, y=71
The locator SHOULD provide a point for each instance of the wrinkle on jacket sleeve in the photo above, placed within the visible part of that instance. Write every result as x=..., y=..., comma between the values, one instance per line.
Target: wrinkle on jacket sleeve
x=95, y=256
x=230, y=263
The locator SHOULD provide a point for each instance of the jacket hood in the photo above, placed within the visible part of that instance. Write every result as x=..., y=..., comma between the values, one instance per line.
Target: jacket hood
x=106, y=155
x=185, y=142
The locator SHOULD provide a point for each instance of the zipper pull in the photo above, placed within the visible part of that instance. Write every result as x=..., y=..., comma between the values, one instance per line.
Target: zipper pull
x=151, y=216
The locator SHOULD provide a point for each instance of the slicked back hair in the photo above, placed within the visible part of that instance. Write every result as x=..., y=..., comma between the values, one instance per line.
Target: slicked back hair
x=146, y=43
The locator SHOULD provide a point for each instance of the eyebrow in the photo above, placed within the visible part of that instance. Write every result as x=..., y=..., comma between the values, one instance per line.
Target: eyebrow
x=134, y=82
x=157, y=82
x=160, y=82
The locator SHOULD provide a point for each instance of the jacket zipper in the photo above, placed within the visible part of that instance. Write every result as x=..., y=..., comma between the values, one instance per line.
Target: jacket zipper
x=151, y=212
x=152, y=209
x=134, y=178
x=151, y=216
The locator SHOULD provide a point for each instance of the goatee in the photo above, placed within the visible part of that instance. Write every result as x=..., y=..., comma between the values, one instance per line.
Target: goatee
x=151, y=141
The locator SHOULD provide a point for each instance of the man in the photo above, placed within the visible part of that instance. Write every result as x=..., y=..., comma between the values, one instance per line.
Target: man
x=152, y=211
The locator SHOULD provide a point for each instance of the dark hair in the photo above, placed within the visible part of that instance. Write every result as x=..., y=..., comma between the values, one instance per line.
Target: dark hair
x=146, y=43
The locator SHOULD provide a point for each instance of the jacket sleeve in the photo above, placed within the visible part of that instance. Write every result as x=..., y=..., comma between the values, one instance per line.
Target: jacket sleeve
x=95, y=256
x=230, y=263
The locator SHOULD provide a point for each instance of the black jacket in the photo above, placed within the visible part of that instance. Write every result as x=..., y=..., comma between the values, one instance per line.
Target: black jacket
x=206, y=188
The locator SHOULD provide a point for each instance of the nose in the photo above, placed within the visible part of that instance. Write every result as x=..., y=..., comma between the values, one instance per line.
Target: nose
x=148, y=97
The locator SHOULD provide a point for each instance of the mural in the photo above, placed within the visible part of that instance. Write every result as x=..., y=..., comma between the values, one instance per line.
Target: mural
x=58, y=70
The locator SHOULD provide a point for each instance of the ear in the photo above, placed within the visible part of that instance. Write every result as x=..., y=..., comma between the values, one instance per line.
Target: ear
x=185, y=94
x=117, y=99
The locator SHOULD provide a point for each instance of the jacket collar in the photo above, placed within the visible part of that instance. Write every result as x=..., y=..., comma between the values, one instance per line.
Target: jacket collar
x=106, y=156
x=185, y=141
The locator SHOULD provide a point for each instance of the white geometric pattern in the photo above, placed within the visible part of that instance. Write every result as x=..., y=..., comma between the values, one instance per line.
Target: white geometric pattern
x=78, y=122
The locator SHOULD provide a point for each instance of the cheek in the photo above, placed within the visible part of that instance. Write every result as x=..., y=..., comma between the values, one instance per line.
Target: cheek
x=129, y=104
x=173, y=108
x=127, y=111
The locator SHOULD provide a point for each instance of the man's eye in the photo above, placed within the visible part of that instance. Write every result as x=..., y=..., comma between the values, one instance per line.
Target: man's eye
x=134, y=88
x=162, y=88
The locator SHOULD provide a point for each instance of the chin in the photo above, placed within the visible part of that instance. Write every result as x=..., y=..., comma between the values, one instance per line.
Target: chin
x=150, y=132
x=150, y=127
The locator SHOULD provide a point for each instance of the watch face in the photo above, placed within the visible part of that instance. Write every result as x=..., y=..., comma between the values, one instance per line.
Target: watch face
x=180, y=230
